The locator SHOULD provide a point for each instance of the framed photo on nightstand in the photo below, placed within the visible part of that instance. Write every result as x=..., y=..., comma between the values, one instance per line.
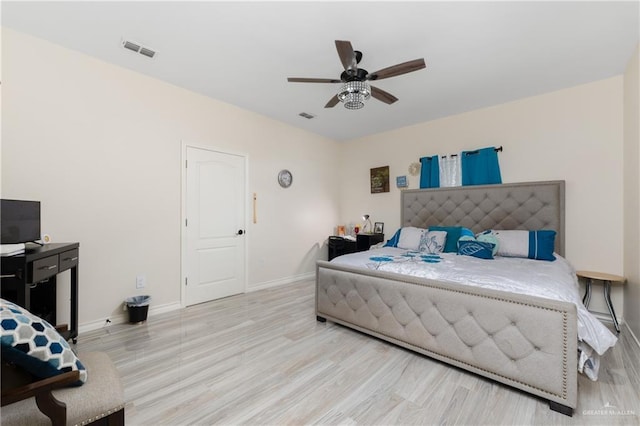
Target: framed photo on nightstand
x=378, y=228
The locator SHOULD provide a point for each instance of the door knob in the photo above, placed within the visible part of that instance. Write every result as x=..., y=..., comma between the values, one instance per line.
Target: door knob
x=240, y=232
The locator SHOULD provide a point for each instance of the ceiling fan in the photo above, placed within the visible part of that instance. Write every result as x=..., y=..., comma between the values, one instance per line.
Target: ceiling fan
x=355, y=89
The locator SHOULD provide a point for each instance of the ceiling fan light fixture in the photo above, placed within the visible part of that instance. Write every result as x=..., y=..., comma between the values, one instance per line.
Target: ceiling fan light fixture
x=354, y=93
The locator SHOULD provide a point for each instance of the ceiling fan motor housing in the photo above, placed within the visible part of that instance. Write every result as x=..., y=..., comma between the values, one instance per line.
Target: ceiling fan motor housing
x=358, y=74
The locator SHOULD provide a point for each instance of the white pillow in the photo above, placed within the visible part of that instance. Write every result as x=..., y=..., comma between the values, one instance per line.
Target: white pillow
x=527, y=244
x=432, y=242
x=410, y=238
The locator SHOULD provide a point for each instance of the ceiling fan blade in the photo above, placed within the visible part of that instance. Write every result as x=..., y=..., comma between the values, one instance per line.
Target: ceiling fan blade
x=346, y=53
x=312, y=80
x=332, y=102
x=383, y=96
x=399, y=69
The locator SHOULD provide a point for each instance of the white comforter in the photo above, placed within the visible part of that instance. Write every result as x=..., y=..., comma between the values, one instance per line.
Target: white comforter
x=553, y=280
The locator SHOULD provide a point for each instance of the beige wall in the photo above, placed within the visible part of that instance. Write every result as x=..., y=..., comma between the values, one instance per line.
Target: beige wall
x=101, y=147
x=632, y=193
x=573, y=135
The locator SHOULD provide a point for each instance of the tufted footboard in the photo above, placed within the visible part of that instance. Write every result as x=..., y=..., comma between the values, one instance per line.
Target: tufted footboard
x=526, y=342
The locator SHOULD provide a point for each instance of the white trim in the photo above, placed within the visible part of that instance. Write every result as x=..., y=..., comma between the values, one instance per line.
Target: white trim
x=606, y=317
x=633, y=336
x=124, y=317
x=282, y=281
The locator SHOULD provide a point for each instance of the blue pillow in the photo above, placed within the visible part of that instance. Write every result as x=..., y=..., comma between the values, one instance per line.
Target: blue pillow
x=393, y=242
x=477, y=249
x=488, y=237
x=33, y=344
x=453, y=235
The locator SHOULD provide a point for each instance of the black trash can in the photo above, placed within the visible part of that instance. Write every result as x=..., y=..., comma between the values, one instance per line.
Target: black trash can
x=138, y=307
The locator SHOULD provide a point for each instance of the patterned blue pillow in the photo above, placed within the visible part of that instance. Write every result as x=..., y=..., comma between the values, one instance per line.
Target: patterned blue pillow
x=453, y=235
x=488, y=237
x=474, y=248
x=33, y=344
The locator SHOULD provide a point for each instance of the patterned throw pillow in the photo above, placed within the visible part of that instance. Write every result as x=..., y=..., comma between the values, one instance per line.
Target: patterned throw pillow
x=488, y=237
x=474, y=248
x=453, y=235
x=528, y=244
x=432, y=242
x=33, y=344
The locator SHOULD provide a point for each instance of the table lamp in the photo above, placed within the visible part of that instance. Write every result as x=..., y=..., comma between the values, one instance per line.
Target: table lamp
x=367, y=227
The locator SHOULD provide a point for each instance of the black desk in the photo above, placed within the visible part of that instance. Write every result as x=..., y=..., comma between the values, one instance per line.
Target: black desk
x=29, y=280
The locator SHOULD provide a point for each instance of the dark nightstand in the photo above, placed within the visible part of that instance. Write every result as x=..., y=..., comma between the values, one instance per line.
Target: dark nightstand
x=365, y=241
x=339, y=246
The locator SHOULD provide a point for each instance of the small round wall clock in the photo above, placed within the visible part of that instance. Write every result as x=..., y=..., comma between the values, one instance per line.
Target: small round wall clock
x=285, y=179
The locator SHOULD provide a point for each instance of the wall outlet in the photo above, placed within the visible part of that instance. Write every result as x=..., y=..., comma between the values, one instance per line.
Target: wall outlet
x=141, y=281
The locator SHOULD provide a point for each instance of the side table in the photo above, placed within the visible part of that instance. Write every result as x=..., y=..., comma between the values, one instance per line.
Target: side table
x=339, y=246
x=364, y=241
x=607, y=279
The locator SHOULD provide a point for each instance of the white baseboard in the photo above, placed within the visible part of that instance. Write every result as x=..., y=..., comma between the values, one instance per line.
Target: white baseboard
x=633, y=336
x=605, y=317
x=282, y=281
x=124, y=317
x=155, y=310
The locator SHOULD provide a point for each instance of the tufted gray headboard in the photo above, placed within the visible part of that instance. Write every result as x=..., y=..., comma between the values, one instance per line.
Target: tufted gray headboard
x=528, y=206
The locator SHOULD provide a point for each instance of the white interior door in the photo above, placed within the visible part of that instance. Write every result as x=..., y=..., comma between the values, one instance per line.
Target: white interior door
x=214, y=225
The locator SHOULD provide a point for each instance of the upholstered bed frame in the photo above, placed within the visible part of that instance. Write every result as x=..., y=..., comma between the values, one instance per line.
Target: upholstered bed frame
x=526, y=342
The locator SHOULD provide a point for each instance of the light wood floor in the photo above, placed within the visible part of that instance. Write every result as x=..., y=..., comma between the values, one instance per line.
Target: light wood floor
x=261, y=358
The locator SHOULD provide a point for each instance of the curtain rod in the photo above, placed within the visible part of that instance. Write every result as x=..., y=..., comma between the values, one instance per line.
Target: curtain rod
x=498, y=149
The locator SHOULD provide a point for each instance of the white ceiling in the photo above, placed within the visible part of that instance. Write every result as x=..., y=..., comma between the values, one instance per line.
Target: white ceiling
x=478, y=54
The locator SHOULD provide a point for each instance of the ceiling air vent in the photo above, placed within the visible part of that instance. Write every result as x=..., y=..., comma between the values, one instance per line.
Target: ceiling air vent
x=306, y=115
x=138, y=48
x=131, y=46
x=147, y=52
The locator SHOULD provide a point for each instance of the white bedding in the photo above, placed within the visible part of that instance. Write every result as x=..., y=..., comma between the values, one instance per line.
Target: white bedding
x=553, y=280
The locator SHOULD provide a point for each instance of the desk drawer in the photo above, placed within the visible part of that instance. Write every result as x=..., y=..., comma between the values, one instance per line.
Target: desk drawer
x=68, y=259
x=44, y=268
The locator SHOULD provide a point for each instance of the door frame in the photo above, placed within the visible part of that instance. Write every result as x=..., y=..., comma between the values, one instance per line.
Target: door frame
x=183, y=212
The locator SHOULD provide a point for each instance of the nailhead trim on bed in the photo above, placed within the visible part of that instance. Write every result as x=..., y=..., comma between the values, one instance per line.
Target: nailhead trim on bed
x=354, y=281
x=391, y=338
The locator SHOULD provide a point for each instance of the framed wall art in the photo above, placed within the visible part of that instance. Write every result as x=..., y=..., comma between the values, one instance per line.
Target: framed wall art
x=401, y=182
x=380, y=179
